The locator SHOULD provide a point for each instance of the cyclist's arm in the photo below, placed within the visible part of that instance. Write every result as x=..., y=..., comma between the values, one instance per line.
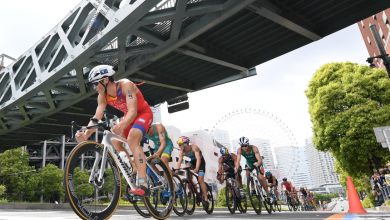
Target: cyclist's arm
x=161, y=135
x=98, y=114
x=237, y=161
x=180, y=159
x=197, y=156
x=220, y=170
x=257, y=154
x=130, y=91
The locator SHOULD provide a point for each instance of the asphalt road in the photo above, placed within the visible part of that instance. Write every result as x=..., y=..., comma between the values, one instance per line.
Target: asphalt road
x=125, y=214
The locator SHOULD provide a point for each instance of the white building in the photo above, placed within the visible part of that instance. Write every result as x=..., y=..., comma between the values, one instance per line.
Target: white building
x=285, y=160
x=321, y=165
x=222, y=137
x=265, y=149
x=156, y=114
x=302, y=176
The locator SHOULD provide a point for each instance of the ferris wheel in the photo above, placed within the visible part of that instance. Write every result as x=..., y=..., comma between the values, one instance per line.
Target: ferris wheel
x=269, y=133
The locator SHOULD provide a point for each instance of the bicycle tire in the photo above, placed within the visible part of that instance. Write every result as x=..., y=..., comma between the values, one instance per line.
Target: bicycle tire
x=77, y=202
x=165, y=212
x=244, y=208
x=191, y=199
x=179, y=188
x=210, y=197
x=266, y=203
x=289, y=204
x=230, y=198
x=144, y=213
x=250, y=188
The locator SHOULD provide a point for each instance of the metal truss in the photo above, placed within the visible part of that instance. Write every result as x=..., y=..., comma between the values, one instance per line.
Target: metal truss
x=128, y=34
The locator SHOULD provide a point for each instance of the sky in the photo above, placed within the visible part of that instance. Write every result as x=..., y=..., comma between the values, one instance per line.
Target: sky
x=277, y=88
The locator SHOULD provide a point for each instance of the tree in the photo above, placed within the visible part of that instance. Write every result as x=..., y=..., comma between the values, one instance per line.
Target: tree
x=362, y=183
x=345, y=102
x=51, y=178
x=2, y=190
x=80, y=180
x=19, y=185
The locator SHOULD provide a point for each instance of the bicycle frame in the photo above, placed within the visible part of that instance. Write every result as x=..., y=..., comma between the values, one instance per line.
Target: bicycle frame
x=189, y=180
x=257, y=185
x=109, y=147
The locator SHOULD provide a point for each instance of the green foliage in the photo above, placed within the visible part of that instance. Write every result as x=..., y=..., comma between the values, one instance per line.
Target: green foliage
x=20, y=186
x=345, y=102
x=2, y=189
x=326, y=197
x=358, y=182
x=51, y=178
x=369, y=201
x=222, y=197
x=80, y=180
x=109, y=182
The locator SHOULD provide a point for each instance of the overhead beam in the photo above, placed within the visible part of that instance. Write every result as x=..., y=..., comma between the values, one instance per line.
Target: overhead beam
x=210, y=59
x=283, y=21
x=157, y=81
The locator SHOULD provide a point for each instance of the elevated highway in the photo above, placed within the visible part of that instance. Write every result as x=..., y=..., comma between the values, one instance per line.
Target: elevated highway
x=174, y=46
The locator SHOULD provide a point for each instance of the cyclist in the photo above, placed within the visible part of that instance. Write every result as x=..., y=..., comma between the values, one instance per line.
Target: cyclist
x=162, y=142
x=273, y=182
x=289, y=187
x=126, y=97
x=313, y=200
x=303, y=193
x=195, y=154
x=253, y=159
x=226, y=164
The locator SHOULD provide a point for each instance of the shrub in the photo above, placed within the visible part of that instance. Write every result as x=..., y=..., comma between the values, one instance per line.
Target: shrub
x=369, y=202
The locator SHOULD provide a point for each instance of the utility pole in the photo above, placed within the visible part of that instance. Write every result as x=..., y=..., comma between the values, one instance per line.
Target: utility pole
x=382, y=51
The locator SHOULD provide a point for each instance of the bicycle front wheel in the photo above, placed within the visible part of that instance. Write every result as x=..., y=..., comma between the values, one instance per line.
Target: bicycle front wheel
x=138, y=204
x=253, y=197
x=91, y=200
x=230, y=198
x=210, y=197
x=162, y=187
x=180, y=206
x=191, y=198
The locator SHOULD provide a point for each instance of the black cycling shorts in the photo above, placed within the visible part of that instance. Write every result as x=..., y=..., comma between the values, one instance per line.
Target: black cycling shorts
x=202, y=167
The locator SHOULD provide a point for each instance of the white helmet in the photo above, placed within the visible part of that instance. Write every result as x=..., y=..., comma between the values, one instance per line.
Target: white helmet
x=243, y=141
x=100, y=72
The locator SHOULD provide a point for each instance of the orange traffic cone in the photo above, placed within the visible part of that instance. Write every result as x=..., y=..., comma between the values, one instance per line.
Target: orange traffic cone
x=355, y=206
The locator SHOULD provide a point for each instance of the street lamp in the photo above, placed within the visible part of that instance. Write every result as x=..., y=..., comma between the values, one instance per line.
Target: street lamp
x=382, y=51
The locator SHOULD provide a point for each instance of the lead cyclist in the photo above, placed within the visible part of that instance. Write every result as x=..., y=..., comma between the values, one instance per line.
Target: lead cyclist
x=126, y=97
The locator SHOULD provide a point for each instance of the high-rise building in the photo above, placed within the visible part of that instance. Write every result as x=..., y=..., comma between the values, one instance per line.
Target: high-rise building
x=321, y=165
x=265, y=150
x=285, y=159
x=301, y=176
x=222, y=137
x=156, y=114
x=381, y=22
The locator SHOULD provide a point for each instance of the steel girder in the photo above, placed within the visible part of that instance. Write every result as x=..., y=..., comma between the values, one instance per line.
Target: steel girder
x=52, y=74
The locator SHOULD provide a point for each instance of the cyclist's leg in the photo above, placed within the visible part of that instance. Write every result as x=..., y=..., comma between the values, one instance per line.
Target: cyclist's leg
x=119, y=146
x=262, y=179
x=276, y=192
x=201, y=174
x=239, y=178
x=136, y=134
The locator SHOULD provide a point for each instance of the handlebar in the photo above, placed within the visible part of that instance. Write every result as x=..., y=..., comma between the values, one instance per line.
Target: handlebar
x=97, y=123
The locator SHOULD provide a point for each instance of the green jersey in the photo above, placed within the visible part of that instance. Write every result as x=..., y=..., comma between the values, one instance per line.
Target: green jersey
x=156, y=140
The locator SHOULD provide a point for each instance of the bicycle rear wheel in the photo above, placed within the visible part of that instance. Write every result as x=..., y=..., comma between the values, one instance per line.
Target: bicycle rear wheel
x=255, y=199
x=180, y=206
x=160, y=187
x=230, y=198
x=92, y=200
x=243, y=205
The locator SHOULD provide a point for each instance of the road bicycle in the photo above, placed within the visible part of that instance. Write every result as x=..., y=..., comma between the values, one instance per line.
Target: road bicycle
x=275, y=204
x=194, y=193
x=235, y=196
x=305, y=204
x=290, y=203
x=98, y=196
x=257, y=194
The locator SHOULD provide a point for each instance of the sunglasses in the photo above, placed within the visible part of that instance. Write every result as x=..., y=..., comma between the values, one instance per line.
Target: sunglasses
x=245, y=146
x=96, y=83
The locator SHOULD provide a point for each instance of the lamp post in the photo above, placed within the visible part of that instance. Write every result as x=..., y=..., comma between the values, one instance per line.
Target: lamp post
x=382, y=51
